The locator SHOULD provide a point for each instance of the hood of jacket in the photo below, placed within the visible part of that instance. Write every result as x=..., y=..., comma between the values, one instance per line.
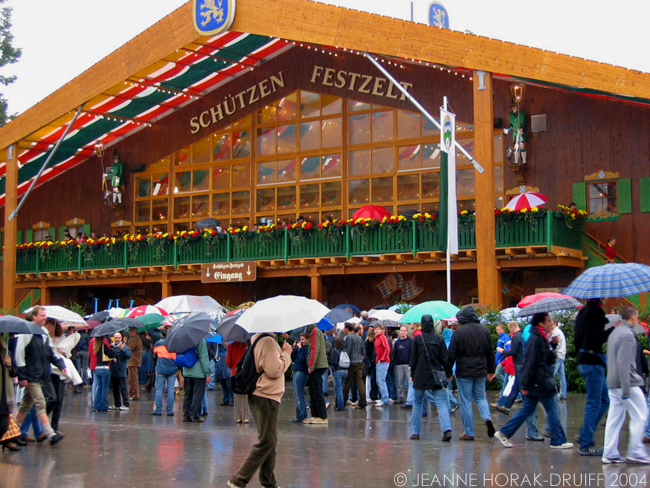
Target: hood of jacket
x=467, y=314
x=427, y=323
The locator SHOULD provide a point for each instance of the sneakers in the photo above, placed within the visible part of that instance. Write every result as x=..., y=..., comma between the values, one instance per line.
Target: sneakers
x=378, y=403
x=124, y=409
x=455, y=408
x=113, y=407
x=230, y=484
x=407, y=406
x=590, y=451
x=569, y=445
x=490, y=428
x=536, y=438
x=156, y=414
x=502, y=439
x=446, y=437
x=465, y=437
x=350, y=402
x=616, y=460
x=638, y=460
x=316, y=420
x=56, y=438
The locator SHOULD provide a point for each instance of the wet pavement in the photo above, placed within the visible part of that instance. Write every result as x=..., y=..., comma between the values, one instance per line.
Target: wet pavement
x=368, y=448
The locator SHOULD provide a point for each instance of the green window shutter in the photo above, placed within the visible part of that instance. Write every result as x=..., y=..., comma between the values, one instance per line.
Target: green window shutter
x=19, y=237
x=87, y=229
x=29, y=235
x=644, y=188
x=53, y=233
x=580, y=195
x=624, y=196
x=62, y=232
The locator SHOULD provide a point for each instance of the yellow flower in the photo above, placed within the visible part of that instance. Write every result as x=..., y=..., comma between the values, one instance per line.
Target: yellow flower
x=534, y=209
x=245, y=228
x=524, y=210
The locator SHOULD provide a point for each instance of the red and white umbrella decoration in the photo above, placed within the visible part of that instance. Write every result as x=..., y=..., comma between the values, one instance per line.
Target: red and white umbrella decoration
x=527, y=200
x=145, y=309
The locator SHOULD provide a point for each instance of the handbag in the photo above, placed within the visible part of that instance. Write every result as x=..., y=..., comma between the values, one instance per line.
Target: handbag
x=439, y=376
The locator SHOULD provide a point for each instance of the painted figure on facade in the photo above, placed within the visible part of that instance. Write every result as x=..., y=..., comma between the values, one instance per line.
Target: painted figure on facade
x=116, y=175
x=518, y=128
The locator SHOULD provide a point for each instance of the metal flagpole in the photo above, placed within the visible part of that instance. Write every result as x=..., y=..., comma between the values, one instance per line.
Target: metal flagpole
x=47, y=161
x=444, y=107
x=422, y=110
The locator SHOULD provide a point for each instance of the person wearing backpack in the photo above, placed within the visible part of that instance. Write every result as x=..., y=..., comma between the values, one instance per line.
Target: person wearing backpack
x=196, y=377
x=340, y=366
x=317, y=364
x=264, y=403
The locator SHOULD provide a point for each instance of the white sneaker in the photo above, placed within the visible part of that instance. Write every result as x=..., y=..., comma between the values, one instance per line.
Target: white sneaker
x=616, y=460
x=566, y=445
x=316, y=420
x=379, y=403
x=124, y=409
x=503, y=439
x=635, y=460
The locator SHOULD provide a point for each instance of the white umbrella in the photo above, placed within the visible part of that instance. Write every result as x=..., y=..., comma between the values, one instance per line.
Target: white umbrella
x=181, y=304
x=61, y=314
x=527, y=200
x=281, y=314
x=116, y=312
x=385, y=315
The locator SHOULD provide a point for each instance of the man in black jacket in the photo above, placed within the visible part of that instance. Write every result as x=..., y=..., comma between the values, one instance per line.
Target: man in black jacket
x=538, y=385
x=471, y=350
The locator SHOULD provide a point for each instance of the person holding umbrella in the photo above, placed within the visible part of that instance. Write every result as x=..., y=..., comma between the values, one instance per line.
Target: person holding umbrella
x=196, y=377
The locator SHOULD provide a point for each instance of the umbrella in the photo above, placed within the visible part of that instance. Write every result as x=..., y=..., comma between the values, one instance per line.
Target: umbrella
x=116, y=312
x=62, y=314
x=325, y=325
x=230, y=331
x=530, y=299
x=208, y=223
x=282, y=313
x=145, y=310
x=527, y=200
x=338, y=315
x=438, y=309
x=113, y=326
x=508, y=314
x=191, y=303
x=216, y=338
x=343, y=306
x=611, y=280
x=550, y=304
x=391, y=324
x=188, y=332
x=381, y=306
x=100, y=317
x=16, y=325
x=149, y=321
x=374, y=212
x=384, y=315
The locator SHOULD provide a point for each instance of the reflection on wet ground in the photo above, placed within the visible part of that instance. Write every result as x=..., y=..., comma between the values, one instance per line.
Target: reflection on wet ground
x=357, y=449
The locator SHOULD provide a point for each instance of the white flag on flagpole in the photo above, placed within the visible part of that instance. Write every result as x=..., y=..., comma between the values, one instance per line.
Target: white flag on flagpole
x=447, y=145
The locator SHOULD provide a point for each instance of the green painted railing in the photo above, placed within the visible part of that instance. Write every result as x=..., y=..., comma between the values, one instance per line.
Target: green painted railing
x=546, y=229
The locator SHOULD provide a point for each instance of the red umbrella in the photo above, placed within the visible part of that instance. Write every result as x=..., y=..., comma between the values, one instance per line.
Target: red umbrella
x=530, y=299
x=527, y=200
x=374, y=212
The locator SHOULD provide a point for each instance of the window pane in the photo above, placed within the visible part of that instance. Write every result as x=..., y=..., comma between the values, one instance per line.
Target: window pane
x=431, y=207
x=201, y=151
x=430, y=185
x=241, y=175
x=266, y=172
x=331, y=194
x=142, y=211
x=331, y=105
x=409, y=157
x=160, y=209
x=183, y=156
x=431, y=155
x=402, y=209
x=309, y=197
x=221, y=178
x=331, y=166
x=310, y=168
x=408, y=187
x=181, y=226
x=408, y=124
x=466, y=205
x=382, y=160
x=286, y=199
x=359, y=163
x=144, y=186
x=429, y=128
x=159, y=228
x=160, y=184
x=222, y=143
x=310, y=135
x=266, y=200
x=382, y=126
x=498, y=148
x=382, y=190
x=242, y=147
x=242, y=123
x=201, y=180
x=182, y=208
x=267, y=115
x=309, y=104
x=468, y=145
x=354, y=106
x=266, y=139
x=465, y=181
x=287, y=138
x=498, y=179
x=287, y=108
x=140, y=229
x=287, y=170
x=162, y=165
x=183, y=182
x=332, y=132
x=221, y=204
x=201, y=206
x=241, y=202
x=359, y=129
x=359, y=191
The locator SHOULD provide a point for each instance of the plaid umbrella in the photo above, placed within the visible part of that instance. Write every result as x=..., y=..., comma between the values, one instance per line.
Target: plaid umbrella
x=611, y=280
x=550, y=304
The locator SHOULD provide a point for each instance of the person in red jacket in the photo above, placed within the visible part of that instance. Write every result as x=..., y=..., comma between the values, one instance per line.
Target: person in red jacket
x=382, y=360
x=236, y=351
x=610, y=252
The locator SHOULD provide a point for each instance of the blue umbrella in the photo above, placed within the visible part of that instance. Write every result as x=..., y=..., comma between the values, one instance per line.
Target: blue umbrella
x=216, y=338
x=338, y=315
x=611, y=280
x=325, y=324
x=16, y=325
x=354, y=308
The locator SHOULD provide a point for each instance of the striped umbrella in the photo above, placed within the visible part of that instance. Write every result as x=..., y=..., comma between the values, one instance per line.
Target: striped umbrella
x=550, y=304
x=530, y=299
x=144, y=310
x=611, y=280
x=527, y=199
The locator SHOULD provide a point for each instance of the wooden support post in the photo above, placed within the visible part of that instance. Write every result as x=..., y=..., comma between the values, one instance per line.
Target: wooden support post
x=45, y=294
x=316, y=284
x=11, y=228
x=488, y=273
x=166, y=286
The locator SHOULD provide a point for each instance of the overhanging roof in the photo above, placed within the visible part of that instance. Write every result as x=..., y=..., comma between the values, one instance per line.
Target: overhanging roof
x=169, y=65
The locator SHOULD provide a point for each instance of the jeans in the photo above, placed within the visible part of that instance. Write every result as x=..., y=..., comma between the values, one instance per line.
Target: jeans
x=382, y=371
x=451, y=399
x=468, y=389
x=325, y=382
x=316, y=395
x=636, y=409
x=500, y=375
x=403, y=377
x=391, y=383
x=145, y=367
x=228, y=395
x=100, y=399
x=508, y=401
x=31, y=419
x=552, y=407
x=439, y=397
x=299, y=382
x=410, y=397
x=558, y=370
x=165, y=382
x=339, y=377
x=213, y=375
x=597, y=401
x=82, y=365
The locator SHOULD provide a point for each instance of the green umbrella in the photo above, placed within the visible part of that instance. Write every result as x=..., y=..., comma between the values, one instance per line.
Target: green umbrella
x=149, y=321
x=438, y=309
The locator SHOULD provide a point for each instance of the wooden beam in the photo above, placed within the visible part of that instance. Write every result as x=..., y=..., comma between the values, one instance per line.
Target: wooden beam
x=166, y=286
x=515, y=251
x=316, y=282
x=10, y=231
x=45, y=294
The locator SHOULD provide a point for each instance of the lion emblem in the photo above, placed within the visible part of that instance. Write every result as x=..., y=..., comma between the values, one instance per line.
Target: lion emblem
x=211, y=10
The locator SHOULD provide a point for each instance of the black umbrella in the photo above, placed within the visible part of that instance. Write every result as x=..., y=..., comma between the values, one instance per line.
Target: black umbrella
x=99, y=316
x=208, y=223
x=188, y=332
x=337, y=316
x=113, y=326
x=382, y=306
x=16, y=325
x=352, y=307
x=231, y=332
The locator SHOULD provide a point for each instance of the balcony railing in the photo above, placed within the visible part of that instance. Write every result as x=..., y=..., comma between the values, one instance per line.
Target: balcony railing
x=545, y=229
